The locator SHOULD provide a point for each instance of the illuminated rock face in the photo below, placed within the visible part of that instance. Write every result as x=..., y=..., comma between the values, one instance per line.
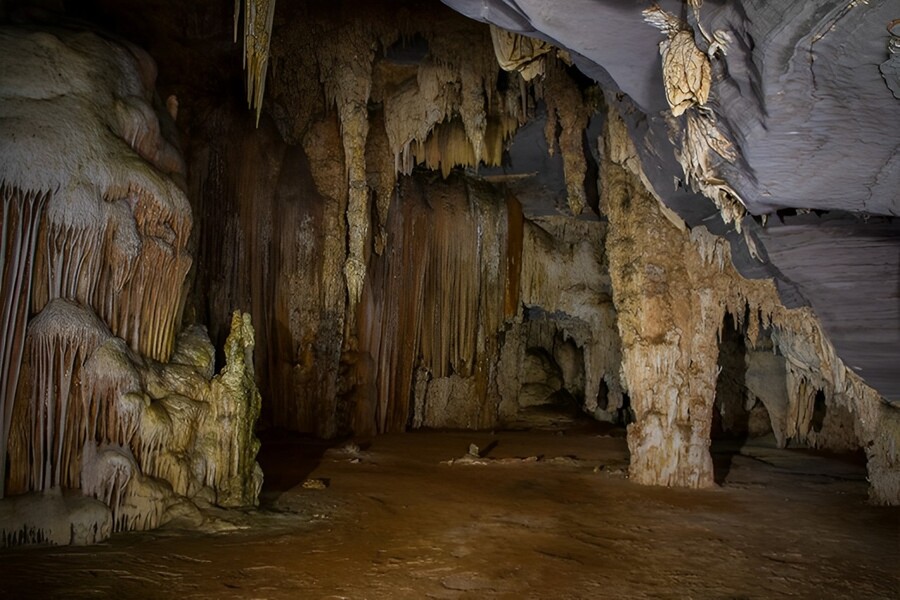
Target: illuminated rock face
x=102, y=390
x=301, y=213
x=400, y=271
x=672, y=289
x=468, y=291
x=786, y=95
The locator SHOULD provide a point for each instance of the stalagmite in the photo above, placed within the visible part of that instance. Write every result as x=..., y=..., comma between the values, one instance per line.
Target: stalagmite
x=668, y=316
x=226, y=442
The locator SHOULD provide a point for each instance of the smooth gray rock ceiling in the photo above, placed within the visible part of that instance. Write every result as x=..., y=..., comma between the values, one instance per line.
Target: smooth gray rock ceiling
x=806, y=92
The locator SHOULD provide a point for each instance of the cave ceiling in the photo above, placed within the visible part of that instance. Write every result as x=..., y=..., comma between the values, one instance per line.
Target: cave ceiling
x=805, y=93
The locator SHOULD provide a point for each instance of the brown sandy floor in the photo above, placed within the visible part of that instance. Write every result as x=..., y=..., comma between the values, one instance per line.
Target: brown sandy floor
x=397, y=523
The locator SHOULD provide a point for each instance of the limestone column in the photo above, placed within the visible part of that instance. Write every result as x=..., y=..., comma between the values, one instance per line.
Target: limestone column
x=669, y=314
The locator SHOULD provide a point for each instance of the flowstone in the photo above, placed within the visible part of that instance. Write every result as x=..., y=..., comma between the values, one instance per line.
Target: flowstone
x=111, y=412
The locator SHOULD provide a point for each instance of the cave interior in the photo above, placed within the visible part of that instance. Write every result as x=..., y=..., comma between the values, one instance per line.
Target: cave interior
x=647, y=248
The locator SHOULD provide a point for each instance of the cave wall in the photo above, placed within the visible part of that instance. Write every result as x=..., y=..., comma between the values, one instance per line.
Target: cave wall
x=789, y=91
x=417, y=356
x=319, y=223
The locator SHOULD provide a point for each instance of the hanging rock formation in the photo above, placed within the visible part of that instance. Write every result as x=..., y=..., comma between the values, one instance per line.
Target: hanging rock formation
x=21, y=219
x=794, y=89
x=358, y=98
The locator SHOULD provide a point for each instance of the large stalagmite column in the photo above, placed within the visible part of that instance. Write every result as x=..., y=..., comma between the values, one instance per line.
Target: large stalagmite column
x=669, y=316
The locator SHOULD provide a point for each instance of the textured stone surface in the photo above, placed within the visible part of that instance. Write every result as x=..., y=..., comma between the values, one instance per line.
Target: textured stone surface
x=112, y=388
x=672, y=288
x=459, y=281
x=813, y=123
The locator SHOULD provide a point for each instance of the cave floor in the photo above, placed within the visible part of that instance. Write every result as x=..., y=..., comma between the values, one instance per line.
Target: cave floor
x=393, y=520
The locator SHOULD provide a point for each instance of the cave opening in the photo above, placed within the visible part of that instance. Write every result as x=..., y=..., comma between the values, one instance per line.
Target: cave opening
x=409, y=309
x=820, y=408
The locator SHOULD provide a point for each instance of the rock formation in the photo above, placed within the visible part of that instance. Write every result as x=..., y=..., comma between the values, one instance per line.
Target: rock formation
x=672, y=289
x=104, y=393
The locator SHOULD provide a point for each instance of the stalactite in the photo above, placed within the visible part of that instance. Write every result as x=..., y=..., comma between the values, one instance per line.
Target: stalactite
x=434, y=305
x=105, y=475
x=154, y=434
x=813, y=365
x=451, y=115
x=95, y=138
x=329, y=176
x=22, y=213
x=144, y=506
x=129, y=268
x=258, y=16
x=515, y=228
x=568, y=110
x=382, y=176
x=520, y=53
x=415, y=109
x=345, y=65
x=472, y=108
x=97, y=407
x=702, y=142
x=686, y=70
x=112, y=394
x=564, y=275
x=443, y=110
x=702, y=147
